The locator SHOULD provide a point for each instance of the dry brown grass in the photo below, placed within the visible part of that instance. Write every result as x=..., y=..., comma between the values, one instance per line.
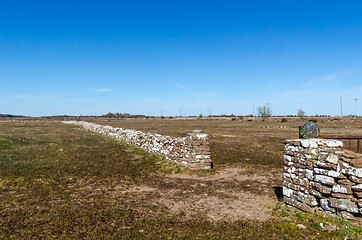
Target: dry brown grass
x=59, y=181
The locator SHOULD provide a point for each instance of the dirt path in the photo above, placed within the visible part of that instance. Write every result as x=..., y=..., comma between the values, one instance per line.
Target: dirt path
x=230, y=194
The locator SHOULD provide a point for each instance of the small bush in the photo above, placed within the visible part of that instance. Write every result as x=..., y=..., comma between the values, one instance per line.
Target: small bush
x=284, y=120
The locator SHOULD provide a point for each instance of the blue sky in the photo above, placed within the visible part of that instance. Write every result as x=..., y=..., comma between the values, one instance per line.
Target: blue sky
x=95, y=57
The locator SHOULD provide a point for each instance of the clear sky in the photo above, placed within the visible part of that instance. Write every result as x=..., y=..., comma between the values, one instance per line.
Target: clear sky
x=144, y=57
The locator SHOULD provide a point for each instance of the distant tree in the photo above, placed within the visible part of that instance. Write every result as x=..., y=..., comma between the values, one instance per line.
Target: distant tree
x=301, y=113
x=264, y=111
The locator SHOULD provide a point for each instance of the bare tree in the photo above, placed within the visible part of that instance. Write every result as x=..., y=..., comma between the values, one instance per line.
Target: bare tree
x=264, y=111
x=301, y=113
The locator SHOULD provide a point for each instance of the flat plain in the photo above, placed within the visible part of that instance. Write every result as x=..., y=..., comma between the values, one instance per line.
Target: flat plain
x=61, y=181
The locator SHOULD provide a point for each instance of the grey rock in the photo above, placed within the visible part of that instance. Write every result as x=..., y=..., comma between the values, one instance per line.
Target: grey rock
x=310, y=130
x=344, y=205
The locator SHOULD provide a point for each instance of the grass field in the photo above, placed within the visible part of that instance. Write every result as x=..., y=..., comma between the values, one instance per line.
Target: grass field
x=61, y=181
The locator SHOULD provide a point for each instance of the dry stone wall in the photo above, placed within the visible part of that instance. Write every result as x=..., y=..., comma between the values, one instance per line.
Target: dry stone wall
x=321, y=176
x=192, y=151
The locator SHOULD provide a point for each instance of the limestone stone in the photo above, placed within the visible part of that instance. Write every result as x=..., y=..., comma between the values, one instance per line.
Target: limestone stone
x=333, y=143
x=345, y=182
x=326, y=205
x=342, y=196
x=357, y=162
x=324, y=179
x=309, y=174
x=344, y=205
x=306, y=198
x=325, y=165
x=301, y=206
x=287, y=192
x=342, y=189
x=321, y=177
x=321, y=188
x=355, y=179
x=357, y=188
x=357, y=172
x=321, y=171
x=314, y=192
x=332, y=158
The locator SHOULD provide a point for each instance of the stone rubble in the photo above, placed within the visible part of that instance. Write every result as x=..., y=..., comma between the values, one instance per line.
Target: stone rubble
x=320, y=176
x=192, y=151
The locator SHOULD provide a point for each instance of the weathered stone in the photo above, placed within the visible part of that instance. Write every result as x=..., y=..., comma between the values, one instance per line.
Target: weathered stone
x=287, y=192
x=289, y=169
x=300, y=180
x=357, y=188
x=335, y=174
x=321, y=171
x=355, y=179
x=357, y=162
x=309, y=130
x=302, y=206
x=324, y=179
x=344, y=159
x=326, y=205
x=314, y=192
x=342, y=189
x=321, y=188
x=326, y=165
x=309, y=174
x=330, y=173
x=287, y=177
x=345, y=182
x=338, y=152
x=357, y=172
x=344, y=205
x=342, y=196
x=292, y=186
x=313, y=151
x=332, y=158
x=306, y=198
x=333, y=143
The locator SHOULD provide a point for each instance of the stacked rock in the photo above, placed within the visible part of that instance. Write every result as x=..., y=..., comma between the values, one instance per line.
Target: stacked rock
x=321, y=176
x=192, y=151
x=200, y=156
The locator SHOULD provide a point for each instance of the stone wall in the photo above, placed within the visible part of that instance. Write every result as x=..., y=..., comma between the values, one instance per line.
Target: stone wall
x=192, y=151
x=321, y=176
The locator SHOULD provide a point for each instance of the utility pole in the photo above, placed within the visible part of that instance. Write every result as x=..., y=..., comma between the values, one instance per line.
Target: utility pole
x=355, y=103
x=253, y=111
x=180, y=112
x=341, y=106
